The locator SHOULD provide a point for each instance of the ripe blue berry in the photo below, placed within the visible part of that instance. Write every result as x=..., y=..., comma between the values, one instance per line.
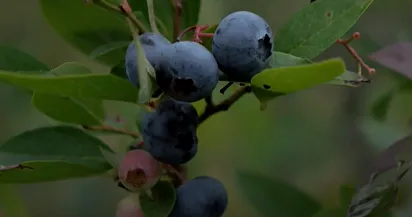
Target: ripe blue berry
x=152, y=44
x=170, y=133
x=242, y=45
x=187, y=71
x=200, y=197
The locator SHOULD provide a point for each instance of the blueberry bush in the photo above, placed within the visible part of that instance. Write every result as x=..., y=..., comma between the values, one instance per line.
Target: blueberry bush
x=168, y=64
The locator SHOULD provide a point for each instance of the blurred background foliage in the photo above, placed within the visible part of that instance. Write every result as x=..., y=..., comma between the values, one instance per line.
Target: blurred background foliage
x=316, y=139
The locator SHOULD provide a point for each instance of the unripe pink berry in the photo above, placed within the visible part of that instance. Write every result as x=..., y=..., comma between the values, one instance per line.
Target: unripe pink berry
x=129, y=207
x=139, y=171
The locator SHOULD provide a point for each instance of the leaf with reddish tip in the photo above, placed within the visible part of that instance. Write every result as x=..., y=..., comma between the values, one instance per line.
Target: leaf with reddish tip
x=397, y=57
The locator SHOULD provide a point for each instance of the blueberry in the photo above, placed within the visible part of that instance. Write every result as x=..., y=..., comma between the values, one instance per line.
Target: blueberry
x=200, y=197
x=152, y=44
x=242, y=45
x=170, y=133
x=187, y=71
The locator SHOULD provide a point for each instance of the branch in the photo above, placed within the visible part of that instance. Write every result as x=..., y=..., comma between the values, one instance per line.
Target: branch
x=152, y=16
x=105, y=128
x=212, y=109
x=123, y=9
x=177, y=4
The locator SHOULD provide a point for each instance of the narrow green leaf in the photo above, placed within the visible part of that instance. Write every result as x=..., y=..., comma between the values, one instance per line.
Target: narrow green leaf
x=75, y=110
x=92, y=27
x=59, y=143
x=12, y=59
x=107, y=48
x=317, y=26
x=273, y=197
x=11, y=203
x=47, y=170
x=99, y=86
x=161, y=201
x=274, y=82
x=143, y=69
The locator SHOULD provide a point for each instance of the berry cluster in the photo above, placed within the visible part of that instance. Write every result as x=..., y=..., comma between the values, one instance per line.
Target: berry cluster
x=186, y=71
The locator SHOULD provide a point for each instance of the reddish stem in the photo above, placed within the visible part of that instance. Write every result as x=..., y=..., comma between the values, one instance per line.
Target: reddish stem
x=177, y=4
x=353, y=53
x=197, y=33
x=126, y=7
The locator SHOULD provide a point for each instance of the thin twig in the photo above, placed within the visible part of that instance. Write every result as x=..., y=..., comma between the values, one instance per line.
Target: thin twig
x=177, y=4
x=212, y=109
x=127, y=10
x=354, y=54
x=152, y=16
x=105, y=128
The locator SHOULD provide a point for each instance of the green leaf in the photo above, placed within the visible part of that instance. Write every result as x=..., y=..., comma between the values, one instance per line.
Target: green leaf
x=11, y=202
x=273, y=197
x=207, y=42
x=107, y=48
x=380, y=107
x=280, y=59
x=346, y=193
x=331, y=212
x=317, y=26
x=161, y=201
x=119, y=71
x=15, y=60
x=92, y=27
x=59, y=143
x=84, y=111
x=144, y=70
x=275, y=82
x=99, y=86
x=348, y=78
x=45, y=171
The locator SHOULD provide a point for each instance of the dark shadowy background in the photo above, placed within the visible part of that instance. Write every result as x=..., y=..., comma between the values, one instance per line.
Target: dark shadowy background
x=316, y=139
